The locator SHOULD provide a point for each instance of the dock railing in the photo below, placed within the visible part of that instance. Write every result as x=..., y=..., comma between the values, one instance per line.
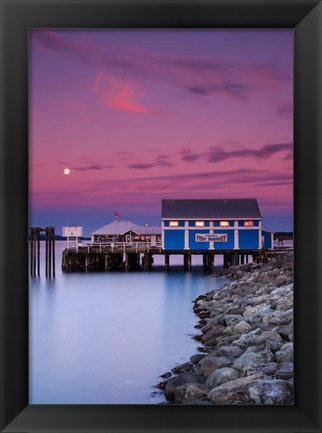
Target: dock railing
x=116, y=247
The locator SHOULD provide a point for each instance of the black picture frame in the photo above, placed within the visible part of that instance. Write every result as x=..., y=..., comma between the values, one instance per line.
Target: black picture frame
x=17, y=16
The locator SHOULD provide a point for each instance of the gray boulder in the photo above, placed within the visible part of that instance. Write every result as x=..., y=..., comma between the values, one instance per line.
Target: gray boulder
x=274, y=346
x=285, y=354
x=256, y=358
x=269, y=336
x=285, y=371
x=220, y=376
x=209, y=364
x=234, y=391
x=179, y=380
x=189, y=393
x=230, y=351
x=267, y=368
x=271, y=391
x=210, y=336
x=186, y=366
x=196, y=358
x=239, y=328
x=232, y=319
x=279, y=317
x=247, y=340
x=251, y=311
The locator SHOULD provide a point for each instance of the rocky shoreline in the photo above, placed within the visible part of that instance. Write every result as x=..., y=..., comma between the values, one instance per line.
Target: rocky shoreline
x=247, y=334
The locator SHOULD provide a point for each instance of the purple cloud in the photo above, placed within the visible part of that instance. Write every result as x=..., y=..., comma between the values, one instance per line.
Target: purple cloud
x=92, y=167
x=141, y=166
x=218, y=154
x=238, y=91
x=196, y=74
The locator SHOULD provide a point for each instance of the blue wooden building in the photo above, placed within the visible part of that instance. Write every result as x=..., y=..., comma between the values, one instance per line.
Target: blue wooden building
x=214, y=224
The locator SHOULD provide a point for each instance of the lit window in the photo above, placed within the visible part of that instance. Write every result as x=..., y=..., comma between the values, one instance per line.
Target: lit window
x=174, y=224
x=224, y=224
x=249, y=223
x=199, y=224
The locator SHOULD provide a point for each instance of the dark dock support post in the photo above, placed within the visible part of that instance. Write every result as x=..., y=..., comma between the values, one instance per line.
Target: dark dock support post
x=187, y=261
x=34, y=251
x=147, y=261
x=53, y=244
x=211, y=260
x=208, y=261
x=38, y=251
x=46, y=261
x=167, y=261
x=132, y=261
x=31, y=253
x=49, y=250
x=106, y=262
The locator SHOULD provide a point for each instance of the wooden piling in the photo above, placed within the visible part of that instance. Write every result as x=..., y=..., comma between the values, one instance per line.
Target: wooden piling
x=187, y=261
x=167, y=261
x=49, y=252
x=38, y=251
x=34, y=251
x=208, y=261
x=147, y=261
x=53, y=240
x=106, y=262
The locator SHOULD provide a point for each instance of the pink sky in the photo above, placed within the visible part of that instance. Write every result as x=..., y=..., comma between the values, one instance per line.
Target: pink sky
x=140, y=115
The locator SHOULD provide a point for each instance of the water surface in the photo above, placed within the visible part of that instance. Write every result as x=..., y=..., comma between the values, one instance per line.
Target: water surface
x=104, y=338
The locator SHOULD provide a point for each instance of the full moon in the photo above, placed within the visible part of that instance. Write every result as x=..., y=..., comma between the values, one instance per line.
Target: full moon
x=66, y=171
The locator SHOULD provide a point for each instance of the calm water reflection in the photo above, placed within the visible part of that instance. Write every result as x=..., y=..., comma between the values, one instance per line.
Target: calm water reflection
x=105, y=338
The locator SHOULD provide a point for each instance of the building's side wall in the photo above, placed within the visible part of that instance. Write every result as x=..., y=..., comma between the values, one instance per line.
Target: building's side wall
x=174, y=239
x=248, y=239
x=267, y=239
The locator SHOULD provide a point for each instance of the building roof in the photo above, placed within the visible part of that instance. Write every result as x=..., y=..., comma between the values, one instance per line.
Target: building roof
x=114, y=228
x=210, y=208
x=121, y=227
x=147, y=230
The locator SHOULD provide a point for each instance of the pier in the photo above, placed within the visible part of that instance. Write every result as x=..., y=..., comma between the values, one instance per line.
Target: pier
x=135, y=256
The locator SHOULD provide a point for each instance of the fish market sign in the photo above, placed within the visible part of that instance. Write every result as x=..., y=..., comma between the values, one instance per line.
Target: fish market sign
x=211, y=238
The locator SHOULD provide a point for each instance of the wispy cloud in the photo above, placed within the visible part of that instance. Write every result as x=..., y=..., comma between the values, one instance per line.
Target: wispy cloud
x=217, y=154
x=120, y=94
x=176, y=183
x=160, y=161
x=92, y=167
x=235, y=90
x=198, y=75
x=141, y=166
x=54, y=42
